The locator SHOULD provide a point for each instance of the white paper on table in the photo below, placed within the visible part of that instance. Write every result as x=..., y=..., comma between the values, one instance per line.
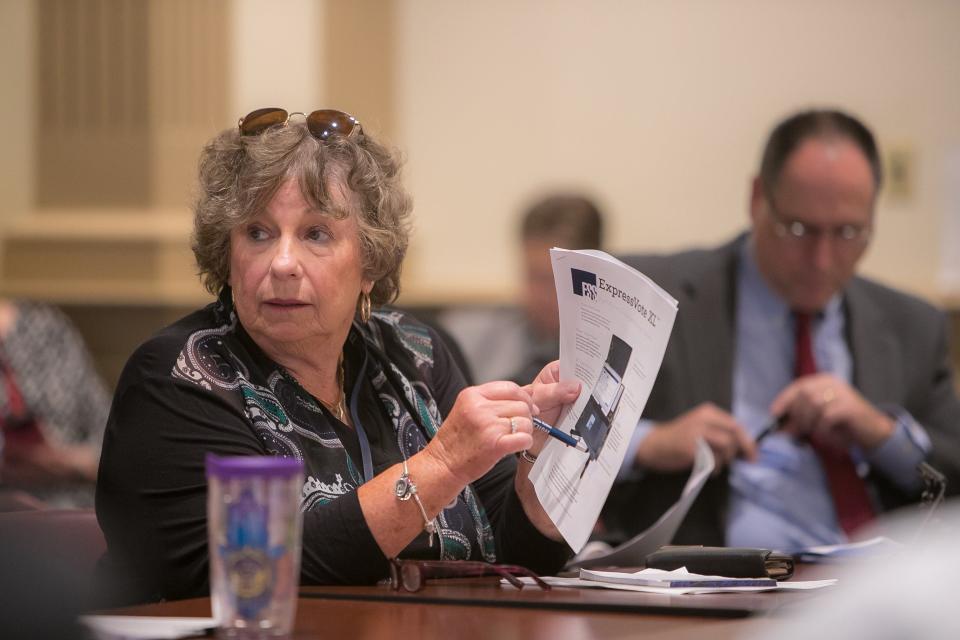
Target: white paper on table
x=634, y=552
x=577, y=583
x=159, y=627
x=605, y=307
x=877, y=546
x=674, y=578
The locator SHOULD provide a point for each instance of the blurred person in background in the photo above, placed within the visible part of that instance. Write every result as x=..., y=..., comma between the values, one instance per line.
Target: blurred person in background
x=851, y=380
x=300, y=230
x=53, y=409
x=515, y=343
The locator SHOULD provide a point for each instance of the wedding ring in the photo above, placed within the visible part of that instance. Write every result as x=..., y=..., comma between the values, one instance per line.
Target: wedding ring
x=513, y=425
x=827, y=396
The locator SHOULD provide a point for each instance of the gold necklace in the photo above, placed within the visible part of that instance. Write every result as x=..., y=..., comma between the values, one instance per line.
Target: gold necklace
x=339, y=409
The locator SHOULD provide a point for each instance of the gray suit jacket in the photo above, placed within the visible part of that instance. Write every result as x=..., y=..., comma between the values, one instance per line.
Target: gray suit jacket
x=900, y=355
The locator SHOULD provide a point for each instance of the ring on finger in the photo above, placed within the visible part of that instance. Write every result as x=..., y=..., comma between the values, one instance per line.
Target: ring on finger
x=513, y=425
x=827, y=396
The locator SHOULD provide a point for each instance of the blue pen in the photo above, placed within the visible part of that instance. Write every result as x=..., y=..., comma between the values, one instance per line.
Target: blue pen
x=565, y=438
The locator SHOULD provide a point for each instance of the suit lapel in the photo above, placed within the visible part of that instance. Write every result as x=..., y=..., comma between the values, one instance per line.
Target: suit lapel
x=708, y=299
x=878, y=362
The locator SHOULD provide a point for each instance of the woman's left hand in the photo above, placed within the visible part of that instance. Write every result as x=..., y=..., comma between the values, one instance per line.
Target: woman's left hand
x=550, y=396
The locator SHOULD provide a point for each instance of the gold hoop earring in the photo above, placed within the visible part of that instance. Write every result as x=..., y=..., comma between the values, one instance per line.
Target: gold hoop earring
x=364, y=307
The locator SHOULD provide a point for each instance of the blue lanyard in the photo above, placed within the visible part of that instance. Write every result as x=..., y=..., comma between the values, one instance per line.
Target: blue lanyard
x=361, y=433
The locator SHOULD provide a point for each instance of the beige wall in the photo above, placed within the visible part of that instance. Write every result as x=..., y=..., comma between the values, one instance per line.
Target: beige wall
x=658, y=109
x=276, y=58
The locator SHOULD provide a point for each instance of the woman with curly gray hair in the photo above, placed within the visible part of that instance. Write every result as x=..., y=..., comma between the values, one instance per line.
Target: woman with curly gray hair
x=301, y=226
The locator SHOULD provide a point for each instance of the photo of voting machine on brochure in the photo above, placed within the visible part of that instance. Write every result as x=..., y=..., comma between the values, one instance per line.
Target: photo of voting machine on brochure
x=596, y=418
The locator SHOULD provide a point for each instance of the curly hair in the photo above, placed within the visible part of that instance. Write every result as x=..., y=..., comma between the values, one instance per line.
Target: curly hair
x=240, y=174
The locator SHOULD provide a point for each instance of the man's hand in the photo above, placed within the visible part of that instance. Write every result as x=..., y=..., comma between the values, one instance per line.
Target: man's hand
x=828, y=408
x=671, y=446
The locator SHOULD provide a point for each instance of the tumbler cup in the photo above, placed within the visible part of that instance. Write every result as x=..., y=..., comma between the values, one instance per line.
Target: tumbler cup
x=254, y=526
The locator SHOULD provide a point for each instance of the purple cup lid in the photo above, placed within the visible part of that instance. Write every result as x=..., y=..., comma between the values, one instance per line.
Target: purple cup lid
x=248, y=466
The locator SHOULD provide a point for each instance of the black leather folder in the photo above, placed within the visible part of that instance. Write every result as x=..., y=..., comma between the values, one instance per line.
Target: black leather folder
x=732, y=562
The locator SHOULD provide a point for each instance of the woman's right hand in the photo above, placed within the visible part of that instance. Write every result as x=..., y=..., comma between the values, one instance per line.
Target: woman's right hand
x=477, y=432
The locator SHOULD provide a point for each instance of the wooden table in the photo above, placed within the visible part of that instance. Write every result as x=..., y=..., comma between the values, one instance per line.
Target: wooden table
x=481, y=608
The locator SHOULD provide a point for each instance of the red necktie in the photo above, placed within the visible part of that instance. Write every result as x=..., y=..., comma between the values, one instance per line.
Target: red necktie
x=849, y=492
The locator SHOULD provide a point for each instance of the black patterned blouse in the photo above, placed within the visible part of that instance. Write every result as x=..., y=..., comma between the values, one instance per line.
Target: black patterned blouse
x=202, y=385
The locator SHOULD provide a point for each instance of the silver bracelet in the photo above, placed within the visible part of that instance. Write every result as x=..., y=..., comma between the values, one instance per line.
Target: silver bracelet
x=527, y=457
x=405, y=489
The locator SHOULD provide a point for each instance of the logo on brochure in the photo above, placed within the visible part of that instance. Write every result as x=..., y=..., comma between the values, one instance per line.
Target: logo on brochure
x=584, y=283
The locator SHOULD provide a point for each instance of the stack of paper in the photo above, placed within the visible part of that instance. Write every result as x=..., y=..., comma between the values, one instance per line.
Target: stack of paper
x=135, y=627
x=677, y=578
x=631, y=582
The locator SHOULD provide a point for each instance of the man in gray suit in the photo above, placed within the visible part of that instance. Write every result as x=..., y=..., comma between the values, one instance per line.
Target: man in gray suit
x=776, y=333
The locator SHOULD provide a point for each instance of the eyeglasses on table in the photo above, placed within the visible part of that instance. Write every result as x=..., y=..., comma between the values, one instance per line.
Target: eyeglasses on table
x=411, y=575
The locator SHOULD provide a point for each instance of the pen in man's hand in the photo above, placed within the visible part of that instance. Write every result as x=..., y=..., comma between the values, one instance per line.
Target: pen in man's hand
x=772, y=426
x=565, y=438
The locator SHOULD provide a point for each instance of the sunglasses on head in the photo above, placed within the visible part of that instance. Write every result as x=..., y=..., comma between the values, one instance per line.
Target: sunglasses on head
x=322, y=123
x=412, y=574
